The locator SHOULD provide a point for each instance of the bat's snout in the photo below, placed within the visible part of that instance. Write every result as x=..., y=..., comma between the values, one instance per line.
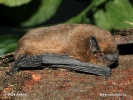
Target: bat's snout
x=113, y=57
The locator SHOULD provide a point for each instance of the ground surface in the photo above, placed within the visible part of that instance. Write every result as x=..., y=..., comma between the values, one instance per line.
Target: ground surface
x=48, y=84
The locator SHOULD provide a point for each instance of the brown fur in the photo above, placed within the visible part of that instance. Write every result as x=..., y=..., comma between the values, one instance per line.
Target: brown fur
x=69, y=39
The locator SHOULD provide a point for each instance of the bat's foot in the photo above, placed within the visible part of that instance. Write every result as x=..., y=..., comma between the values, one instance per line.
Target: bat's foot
x=25, y=61
x=10, y=73
x=16, y=66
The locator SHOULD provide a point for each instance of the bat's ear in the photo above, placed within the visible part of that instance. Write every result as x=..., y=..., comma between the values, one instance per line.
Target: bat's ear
x=94, y=46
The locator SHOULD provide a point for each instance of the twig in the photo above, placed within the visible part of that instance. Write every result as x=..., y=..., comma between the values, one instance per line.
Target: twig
x=129, y=22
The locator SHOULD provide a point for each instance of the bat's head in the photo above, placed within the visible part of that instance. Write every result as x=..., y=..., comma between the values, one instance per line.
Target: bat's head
x=104, y=52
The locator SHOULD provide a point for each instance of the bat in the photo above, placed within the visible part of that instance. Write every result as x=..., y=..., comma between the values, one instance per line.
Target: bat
x=81, y=47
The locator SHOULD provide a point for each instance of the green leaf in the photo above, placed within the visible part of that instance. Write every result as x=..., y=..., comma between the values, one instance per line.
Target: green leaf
x=12, y=3
x=97, y=2
x=101, y=19
x=45, y=11
x=115, y=14
x=33, y=13
x=120, y=12
x=8, y=43
x=11, y=47
x=78, y=19
x=2, y=51
x=81, y=17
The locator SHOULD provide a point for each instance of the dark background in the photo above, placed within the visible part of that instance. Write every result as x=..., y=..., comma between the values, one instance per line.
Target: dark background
x=67, y=9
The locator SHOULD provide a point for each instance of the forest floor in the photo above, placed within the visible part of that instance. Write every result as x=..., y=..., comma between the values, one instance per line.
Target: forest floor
x=49, y=84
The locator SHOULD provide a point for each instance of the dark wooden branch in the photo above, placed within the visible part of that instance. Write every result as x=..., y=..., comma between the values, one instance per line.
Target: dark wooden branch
x=6, y=59
x=124, y=36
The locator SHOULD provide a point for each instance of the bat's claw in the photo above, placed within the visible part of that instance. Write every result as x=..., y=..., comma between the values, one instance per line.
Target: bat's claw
x=9, y=73
x=13, y=70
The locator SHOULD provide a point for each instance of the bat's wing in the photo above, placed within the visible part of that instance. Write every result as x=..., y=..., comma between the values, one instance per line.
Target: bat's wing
x=64, y=61
x=59, y=61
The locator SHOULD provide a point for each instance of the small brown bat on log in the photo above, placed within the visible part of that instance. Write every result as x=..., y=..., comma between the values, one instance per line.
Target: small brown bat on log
x=81, y=47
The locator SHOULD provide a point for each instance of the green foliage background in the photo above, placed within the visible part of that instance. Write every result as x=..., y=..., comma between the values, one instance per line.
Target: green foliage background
x=107, y=14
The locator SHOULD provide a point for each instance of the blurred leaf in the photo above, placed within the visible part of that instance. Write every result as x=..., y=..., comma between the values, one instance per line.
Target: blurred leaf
x=120, y=13
x=8, y=43
x=11, y=47
x=33, y=13
x=44, y=12
x=81, y=18
x=12, y=3
x=117, y=12
x=102, y=20
x=97, y=2
x=2, y=49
